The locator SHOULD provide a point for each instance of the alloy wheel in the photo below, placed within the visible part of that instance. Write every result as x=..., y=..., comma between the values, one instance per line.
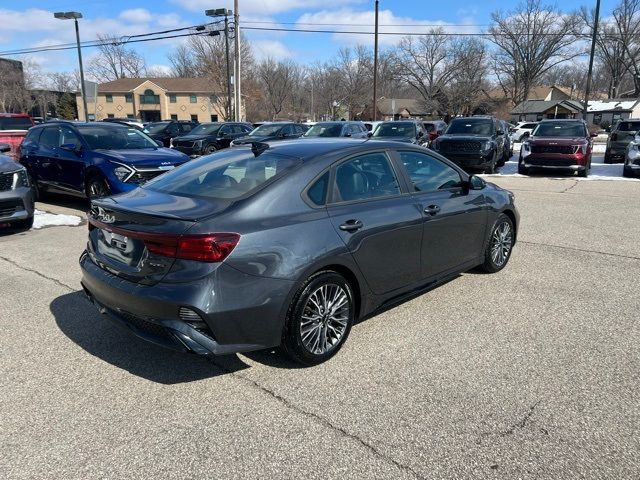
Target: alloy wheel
x=501, y=243
x=98, y=188
x=325, y=318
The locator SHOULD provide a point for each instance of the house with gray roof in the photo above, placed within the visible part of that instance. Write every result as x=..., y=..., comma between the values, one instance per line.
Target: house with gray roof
x=536, y=110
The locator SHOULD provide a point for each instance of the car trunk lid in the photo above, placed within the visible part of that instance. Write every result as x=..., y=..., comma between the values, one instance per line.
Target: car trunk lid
x=135, y=236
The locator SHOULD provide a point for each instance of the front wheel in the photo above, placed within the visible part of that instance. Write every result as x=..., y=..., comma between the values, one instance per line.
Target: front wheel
x=491, y=168
x=210, y=149
x=319, y=318
x=500, y=244
x=97, y=187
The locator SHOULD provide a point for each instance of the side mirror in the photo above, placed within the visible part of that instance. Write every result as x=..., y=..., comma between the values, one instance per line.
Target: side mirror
x=347, y=134
x=369, y=134
x=159, y=143
x=72, y=147
x=420, y=133
x=5, y=147
x=499, y=132
x=476, y=183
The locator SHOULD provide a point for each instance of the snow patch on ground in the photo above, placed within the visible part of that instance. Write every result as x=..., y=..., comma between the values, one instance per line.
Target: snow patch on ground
x=599, y=171
x=599, y=147
x=45, y=219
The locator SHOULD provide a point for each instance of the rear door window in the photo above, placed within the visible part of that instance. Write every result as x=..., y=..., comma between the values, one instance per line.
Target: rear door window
x=628, y=126
x=233, y=175
x=68, y=137
x=366, y=176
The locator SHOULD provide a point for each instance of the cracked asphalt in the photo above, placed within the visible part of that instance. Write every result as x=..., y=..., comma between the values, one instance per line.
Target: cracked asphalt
x=533, y=372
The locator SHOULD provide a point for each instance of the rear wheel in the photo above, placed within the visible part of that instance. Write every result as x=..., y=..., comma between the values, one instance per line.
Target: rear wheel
x=607, y=158
x=97, y=187
x=500, y=244
x=491, y=168
x=210, y=149
x=627, y=172
x=319, y=318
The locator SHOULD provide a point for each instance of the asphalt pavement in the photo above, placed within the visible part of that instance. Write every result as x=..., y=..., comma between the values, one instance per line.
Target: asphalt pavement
x=533, y=372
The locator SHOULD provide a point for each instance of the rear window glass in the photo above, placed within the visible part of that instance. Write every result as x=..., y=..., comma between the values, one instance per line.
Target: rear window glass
x=629, y=126
x=15, y=123
x=226, y=175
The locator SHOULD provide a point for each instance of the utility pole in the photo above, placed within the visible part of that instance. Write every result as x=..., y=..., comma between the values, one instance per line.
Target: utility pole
x=236, y=83
x=587, y=89
x=375, y=67
x=75, y=16
x=226, y=46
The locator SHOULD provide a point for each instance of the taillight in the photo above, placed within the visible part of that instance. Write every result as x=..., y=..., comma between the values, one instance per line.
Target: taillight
x=209, y=247
x=214, y=247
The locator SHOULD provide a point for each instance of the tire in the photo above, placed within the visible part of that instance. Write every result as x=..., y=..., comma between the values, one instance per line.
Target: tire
x=97, y=187
x=308, y=324
x=210, y=149
x=23, y=224
x=504, y=159
x=492, y=166
x=585, y=173
x=607, y=158
x=522, y=170
x=627, y=172
x=499, y=246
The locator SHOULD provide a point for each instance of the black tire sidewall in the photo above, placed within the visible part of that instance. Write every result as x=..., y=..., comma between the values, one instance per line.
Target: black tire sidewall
x=489, y=265
x=292, y=340
x=97, y=178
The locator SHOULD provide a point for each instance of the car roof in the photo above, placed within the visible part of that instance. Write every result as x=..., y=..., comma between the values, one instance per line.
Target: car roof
x=15, y=115
x=309, y=148
x=563, y=120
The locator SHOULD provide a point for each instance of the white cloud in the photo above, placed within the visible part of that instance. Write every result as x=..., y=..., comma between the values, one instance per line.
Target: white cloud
x=159, y=69
x=347, y=20
x=136, y=15
x=260, y=6
x=271, y=48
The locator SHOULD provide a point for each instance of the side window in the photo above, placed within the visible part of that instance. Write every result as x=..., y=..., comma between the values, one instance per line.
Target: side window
x=186, y=127
x=245, y=129
x=68, y=136
x=300, y=130
x=50, y=137
x=33, y=134
x=172, y=129
x=224, y=130
x=366, y=176
x=317, y=193
x=288, y=130
x=429, y=174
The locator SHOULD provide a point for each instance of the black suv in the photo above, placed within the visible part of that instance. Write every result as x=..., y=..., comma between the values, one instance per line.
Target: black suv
x=271, y=131
x=474, y=143
x=167, y=129
x=206, y=138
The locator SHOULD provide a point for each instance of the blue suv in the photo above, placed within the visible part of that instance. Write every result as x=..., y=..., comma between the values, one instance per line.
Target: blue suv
x=93, y=159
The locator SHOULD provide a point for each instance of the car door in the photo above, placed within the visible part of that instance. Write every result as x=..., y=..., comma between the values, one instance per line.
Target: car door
x=379, y=224
x=225, y=136
x=454, y=218
x=46, y=156
x=71, y=153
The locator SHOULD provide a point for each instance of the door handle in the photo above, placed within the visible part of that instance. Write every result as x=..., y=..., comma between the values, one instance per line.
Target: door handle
x=351, y=225
x=432, y=209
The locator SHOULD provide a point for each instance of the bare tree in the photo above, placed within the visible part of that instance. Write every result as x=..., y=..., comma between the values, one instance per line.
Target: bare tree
x=62, y=81
x=183, y=61
x=627, y=20
x=114, y=60
x=16, y=81
x=464, y=88
x=530, y=40
x=429, y=64
x=277, y=79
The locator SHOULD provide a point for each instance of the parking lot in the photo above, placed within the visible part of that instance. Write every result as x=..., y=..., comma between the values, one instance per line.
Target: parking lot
x=529, y=373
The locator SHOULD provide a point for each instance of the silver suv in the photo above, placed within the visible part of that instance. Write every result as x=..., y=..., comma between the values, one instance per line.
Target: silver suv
x=621, y=135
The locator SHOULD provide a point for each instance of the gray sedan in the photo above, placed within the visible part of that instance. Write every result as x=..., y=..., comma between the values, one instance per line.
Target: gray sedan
x=16, y=194
x=289, y=243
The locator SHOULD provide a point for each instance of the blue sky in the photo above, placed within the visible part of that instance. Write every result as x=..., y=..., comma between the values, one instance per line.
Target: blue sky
x=31, y=24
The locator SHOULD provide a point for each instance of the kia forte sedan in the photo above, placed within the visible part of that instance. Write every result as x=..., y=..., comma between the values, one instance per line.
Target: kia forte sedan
x=288, y=243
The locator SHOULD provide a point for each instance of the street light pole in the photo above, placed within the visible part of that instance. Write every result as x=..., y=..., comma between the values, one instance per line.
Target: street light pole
x=219, y=12
x=75, y=16
x=375, y=68
x=587, y=89
x=236, y=73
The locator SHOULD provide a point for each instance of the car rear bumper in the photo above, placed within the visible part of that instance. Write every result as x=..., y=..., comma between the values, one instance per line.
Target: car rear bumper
x=16, y=205
x=240, y=312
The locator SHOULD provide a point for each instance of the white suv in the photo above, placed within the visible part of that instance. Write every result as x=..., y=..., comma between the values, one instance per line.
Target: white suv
x=522, y=131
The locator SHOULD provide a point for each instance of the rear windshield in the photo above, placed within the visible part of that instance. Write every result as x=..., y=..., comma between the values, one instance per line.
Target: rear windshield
x=628, y=126
x=395, y=129
x=266, y=130
x=157, y=127
x=560, y=129
x=226, y=175
x=15, y=123
x=324, y=130
x=470, y=126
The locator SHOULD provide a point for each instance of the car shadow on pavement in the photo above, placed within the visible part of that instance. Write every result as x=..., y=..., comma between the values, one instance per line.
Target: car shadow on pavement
x=67, y=201
x=79, y=320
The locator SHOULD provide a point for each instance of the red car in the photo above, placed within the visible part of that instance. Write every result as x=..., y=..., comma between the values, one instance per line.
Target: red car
x=559, y=145
x=434, y=128
x=13, y=128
